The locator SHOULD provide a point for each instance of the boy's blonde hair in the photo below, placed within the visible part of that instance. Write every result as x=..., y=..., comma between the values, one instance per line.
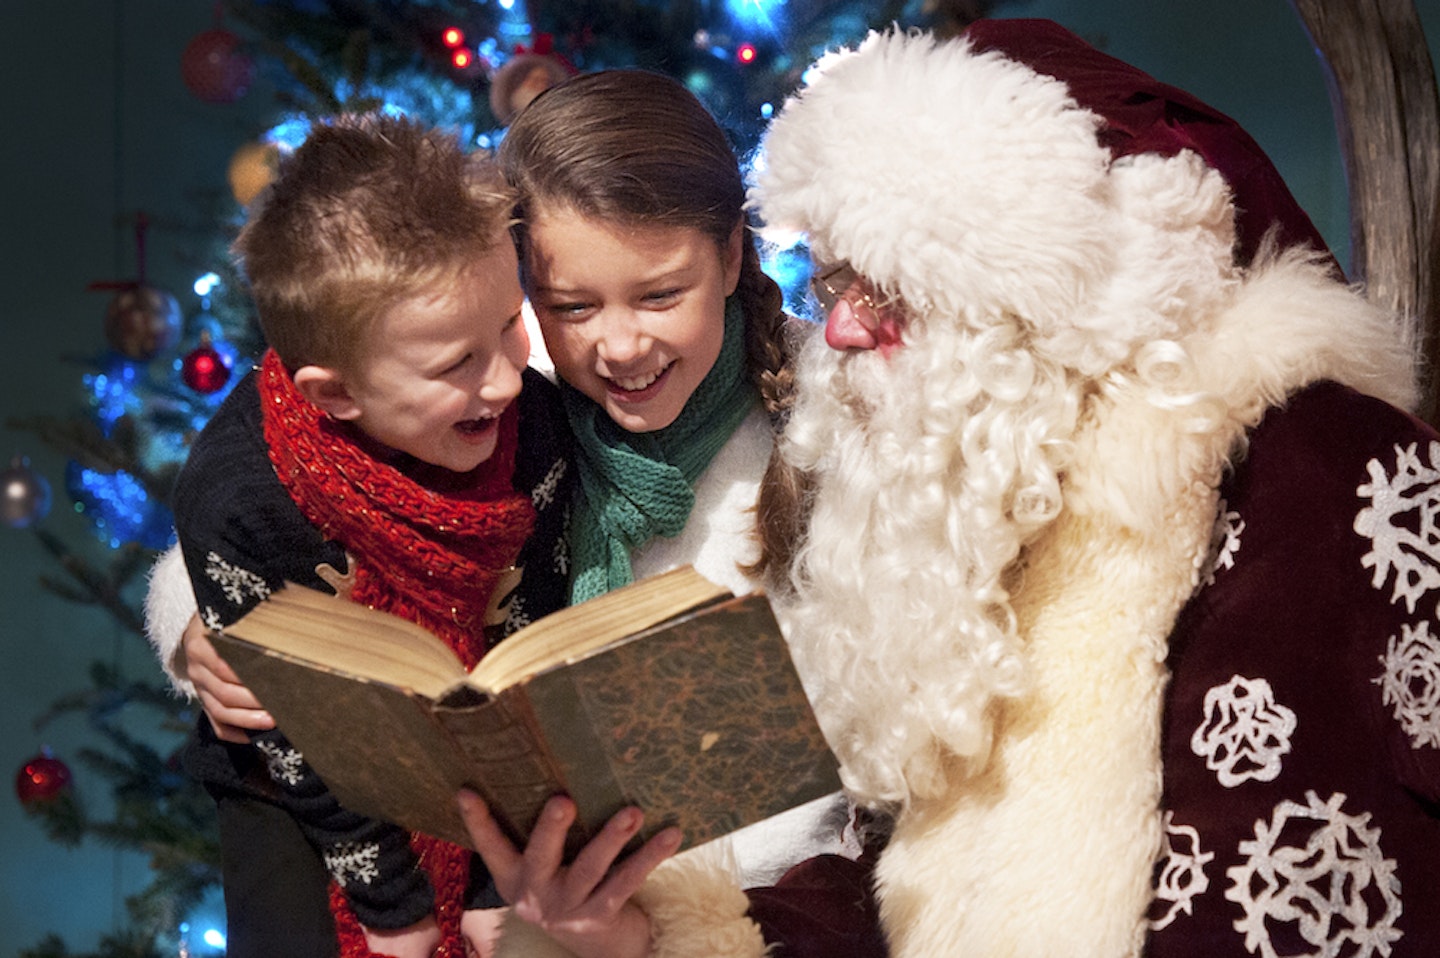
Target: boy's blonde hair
x=371, y=210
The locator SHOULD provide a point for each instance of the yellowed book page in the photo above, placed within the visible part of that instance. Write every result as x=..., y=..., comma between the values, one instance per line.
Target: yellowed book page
x=341, y=636
x=581, y=629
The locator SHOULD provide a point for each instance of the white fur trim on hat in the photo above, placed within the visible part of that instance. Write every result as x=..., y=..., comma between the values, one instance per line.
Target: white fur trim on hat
x=976, y=188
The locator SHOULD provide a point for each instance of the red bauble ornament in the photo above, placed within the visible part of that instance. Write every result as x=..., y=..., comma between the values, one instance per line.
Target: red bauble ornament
x=142, y=321
x=203, y=369
x=43, y=778
x=215, y=68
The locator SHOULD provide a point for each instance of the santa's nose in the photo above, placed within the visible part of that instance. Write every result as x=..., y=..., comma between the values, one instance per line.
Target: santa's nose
x=849, y=328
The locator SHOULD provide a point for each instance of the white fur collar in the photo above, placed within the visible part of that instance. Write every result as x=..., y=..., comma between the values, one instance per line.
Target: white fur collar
x=1049, y=849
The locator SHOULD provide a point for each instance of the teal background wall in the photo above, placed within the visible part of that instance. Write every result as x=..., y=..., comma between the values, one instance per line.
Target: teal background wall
x=99, y=125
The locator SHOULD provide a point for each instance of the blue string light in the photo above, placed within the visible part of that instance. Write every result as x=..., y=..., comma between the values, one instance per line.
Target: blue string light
x=112, y=392
x=755, y=13
x=118, y=507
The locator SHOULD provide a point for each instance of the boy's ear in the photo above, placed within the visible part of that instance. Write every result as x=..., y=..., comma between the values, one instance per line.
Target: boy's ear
x=326, y=388
x=734, y=247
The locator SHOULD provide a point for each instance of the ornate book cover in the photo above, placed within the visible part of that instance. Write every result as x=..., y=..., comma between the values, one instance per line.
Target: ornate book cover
x=698, y=717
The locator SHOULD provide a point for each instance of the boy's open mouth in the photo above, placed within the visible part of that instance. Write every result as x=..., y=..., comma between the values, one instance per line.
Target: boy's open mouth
x=477, y=427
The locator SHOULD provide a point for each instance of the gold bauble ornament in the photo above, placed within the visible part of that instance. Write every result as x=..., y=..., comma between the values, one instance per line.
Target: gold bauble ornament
x=252, y=168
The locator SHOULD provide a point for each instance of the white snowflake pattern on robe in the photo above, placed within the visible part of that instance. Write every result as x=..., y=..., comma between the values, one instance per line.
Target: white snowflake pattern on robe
x=1411, y=683
x=1318, y=872
x=350, y=862
x=1244, y=733
x=1181, y=877
x=1224, y=542
x=1401, y=524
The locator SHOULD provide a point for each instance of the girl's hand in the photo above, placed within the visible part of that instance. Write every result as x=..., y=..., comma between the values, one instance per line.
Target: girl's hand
x=585, y=905
x=230, y=706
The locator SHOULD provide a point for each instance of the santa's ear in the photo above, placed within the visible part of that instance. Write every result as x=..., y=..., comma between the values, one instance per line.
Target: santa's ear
x=326, y=388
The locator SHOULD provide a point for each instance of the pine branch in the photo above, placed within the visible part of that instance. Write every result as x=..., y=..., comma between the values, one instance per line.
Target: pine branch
x=85, y=442
x=96, y=587
x=62, y=817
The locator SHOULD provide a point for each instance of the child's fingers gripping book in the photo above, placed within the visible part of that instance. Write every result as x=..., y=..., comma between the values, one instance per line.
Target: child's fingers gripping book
x=670, y=694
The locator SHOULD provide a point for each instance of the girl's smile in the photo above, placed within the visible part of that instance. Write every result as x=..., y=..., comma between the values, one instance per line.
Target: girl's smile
x=638, y=389
x=633, y=316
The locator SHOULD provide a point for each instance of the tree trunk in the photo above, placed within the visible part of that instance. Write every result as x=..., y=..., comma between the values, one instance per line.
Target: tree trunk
x=1387, y=114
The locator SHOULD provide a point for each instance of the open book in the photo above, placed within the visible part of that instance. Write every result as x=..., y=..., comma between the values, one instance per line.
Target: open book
x=670, y=694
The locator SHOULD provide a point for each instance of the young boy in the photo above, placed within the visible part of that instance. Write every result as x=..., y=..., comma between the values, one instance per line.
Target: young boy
x=373, y=453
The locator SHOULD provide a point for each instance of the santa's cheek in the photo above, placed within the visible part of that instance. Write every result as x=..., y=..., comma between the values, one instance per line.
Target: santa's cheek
x=889, y=334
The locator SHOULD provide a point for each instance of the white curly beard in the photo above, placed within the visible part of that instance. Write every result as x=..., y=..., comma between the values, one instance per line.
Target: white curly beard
x=933, y=468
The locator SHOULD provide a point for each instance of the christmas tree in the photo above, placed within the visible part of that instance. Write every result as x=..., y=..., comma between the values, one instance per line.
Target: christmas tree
x=159, y=374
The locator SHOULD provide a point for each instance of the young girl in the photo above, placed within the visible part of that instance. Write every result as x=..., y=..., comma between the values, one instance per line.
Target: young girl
x=666, y=335
x=670, y=344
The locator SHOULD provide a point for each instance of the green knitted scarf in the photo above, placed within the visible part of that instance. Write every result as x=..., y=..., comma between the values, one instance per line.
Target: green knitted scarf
x=635, y=486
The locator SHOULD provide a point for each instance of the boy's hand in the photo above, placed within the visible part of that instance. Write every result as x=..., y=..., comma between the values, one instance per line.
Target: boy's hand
x=417, y=941
x=585, y=905
x=480, y=927
x=229, y=705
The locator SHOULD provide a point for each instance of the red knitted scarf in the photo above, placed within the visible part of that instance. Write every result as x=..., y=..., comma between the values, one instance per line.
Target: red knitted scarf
x=433, y=557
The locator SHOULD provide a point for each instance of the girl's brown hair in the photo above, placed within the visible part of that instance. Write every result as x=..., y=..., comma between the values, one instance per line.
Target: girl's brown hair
x=637, y=148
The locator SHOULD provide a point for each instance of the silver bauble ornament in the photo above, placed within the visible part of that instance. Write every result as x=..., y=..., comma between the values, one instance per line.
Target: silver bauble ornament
x=24, y=495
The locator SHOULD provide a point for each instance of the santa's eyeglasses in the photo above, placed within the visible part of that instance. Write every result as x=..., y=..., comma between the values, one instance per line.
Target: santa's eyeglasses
x=834, y=283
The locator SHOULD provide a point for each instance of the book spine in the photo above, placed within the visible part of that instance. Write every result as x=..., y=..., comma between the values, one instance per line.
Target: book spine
x=583, y=759
x=509, y=765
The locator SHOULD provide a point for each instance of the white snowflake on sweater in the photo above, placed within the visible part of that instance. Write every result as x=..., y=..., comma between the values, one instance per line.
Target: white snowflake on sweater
x=1181, y=876
x=239, y=585
x=544, y=493
x=1411, y=683
x=1245, y=733
x=286, y=765
x=516, y=618
x=353, y=861
x=1401, y=524
x=560, y=558
x=1330, y=885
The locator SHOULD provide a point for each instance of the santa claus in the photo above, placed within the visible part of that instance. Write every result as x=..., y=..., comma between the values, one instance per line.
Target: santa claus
x=1120, y=566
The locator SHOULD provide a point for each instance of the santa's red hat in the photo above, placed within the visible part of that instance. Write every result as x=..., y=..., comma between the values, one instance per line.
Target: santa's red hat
x=1143, y=115
x=1018, y=171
